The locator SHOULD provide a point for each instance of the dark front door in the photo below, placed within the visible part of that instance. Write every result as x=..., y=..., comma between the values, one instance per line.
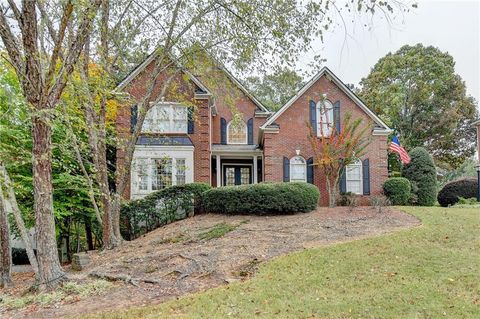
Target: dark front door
x=237, y=175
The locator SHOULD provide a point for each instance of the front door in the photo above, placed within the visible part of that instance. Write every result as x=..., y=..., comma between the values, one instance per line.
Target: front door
x=237, y=175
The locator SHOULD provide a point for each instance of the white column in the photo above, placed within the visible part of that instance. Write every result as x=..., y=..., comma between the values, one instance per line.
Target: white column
x=219, y=171
x=255, y=170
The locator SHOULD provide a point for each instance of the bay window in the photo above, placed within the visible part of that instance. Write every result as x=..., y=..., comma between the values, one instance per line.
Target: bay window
x=151, y=174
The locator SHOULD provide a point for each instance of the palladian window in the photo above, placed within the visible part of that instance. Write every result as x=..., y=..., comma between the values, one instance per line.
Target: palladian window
x=237, y=132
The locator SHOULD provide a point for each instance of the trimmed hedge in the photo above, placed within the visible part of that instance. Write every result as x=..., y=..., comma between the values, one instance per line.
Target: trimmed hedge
x=422, y=174
x=450, y=193
x=262, y=199
x=398, y=190
x=161, y=207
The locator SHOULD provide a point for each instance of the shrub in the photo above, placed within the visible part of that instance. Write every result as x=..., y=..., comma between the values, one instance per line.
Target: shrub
x=262, y=199
x=421, y=170
x=348, y=199
x=160, y=208
x=450, y=193
x=398, y=190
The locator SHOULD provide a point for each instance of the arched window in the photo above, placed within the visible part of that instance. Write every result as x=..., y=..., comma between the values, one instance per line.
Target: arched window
x=298, y=169
x=237, y=132
x=324, y=118
x=353, y=178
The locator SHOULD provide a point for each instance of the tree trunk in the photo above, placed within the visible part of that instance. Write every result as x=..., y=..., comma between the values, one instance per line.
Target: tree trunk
x=88, y=234
x=110, y=241
x=5, y=249
x=18, y=218
x=50, y=272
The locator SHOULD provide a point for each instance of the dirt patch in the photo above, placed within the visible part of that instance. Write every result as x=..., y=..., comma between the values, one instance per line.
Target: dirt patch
x=179, y=258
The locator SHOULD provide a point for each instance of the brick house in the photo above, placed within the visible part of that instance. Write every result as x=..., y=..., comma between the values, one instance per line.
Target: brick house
x=180, y=146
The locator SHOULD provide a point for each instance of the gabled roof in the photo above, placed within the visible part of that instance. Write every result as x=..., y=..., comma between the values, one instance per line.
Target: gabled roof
x=195, y=80
x=136, y=71
x=325, y=71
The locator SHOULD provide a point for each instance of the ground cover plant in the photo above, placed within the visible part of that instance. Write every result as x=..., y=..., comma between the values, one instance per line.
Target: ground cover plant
x=426, y=272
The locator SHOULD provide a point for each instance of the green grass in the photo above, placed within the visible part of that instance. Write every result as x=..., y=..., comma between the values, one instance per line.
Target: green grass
x=217, y=231
x=431, y=271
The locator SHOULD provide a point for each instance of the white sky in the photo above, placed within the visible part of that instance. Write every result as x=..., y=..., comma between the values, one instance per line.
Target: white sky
x=452, y=26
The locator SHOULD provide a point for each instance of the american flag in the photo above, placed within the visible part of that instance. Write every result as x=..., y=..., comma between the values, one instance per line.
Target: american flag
x=397, y=148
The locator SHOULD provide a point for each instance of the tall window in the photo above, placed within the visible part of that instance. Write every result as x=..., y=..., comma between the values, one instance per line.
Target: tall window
x=142, y=173
x=237, y=132
x=354, y=177
x=166, y=118
x=161, y=173
x=157, y=173
x=180, y=167
x=298, y=169
x=324, y=118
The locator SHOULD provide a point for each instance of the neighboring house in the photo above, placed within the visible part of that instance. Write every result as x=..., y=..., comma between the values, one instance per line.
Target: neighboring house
x=177, y=146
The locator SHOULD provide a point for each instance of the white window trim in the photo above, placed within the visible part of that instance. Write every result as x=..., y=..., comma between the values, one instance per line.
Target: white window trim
x=318, y=107
x=171, y=106
x=304, y=166
x=358, y=164
x=228, y=134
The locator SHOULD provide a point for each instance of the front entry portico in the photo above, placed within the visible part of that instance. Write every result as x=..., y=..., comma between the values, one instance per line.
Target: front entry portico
x=236, y=165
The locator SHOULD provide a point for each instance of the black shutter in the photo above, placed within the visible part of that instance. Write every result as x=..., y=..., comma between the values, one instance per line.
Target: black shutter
x=286, y=169
x=250, y=131
x=343, y=182
x=133, y=117
x=310, y=170
x=336, y=116
x=191, y=124
x=366, y=176
x=223, y=131
x=313, y=116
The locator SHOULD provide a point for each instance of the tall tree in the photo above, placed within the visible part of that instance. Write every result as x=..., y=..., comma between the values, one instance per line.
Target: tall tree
x=5, y=249
x=418, y=93
x=240, y=34
x=275, y=89
x=43, y=51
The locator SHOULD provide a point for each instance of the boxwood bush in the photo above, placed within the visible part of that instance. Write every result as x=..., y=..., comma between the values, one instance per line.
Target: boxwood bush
x=397, y=190
x=262, y=199
x=160, y=208
x=450, y=193
x=422, y=174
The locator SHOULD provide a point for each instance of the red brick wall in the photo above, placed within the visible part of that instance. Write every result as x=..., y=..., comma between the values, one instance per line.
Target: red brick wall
x=179, y=91
x=229, y=97
x=293, y=136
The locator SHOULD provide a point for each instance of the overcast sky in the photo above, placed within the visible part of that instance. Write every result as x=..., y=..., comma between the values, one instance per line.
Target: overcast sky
x=452, y=26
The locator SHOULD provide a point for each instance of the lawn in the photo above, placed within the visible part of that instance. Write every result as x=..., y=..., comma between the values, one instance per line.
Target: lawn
x=431, y=271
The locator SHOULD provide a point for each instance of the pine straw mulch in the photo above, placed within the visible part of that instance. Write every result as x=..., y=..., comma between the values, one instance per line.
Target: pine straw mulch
x=211, y=250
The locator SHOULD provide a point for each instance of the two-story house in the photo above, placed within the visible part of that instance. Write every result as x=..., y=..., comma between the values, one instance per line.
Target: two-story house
x=230, y=138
